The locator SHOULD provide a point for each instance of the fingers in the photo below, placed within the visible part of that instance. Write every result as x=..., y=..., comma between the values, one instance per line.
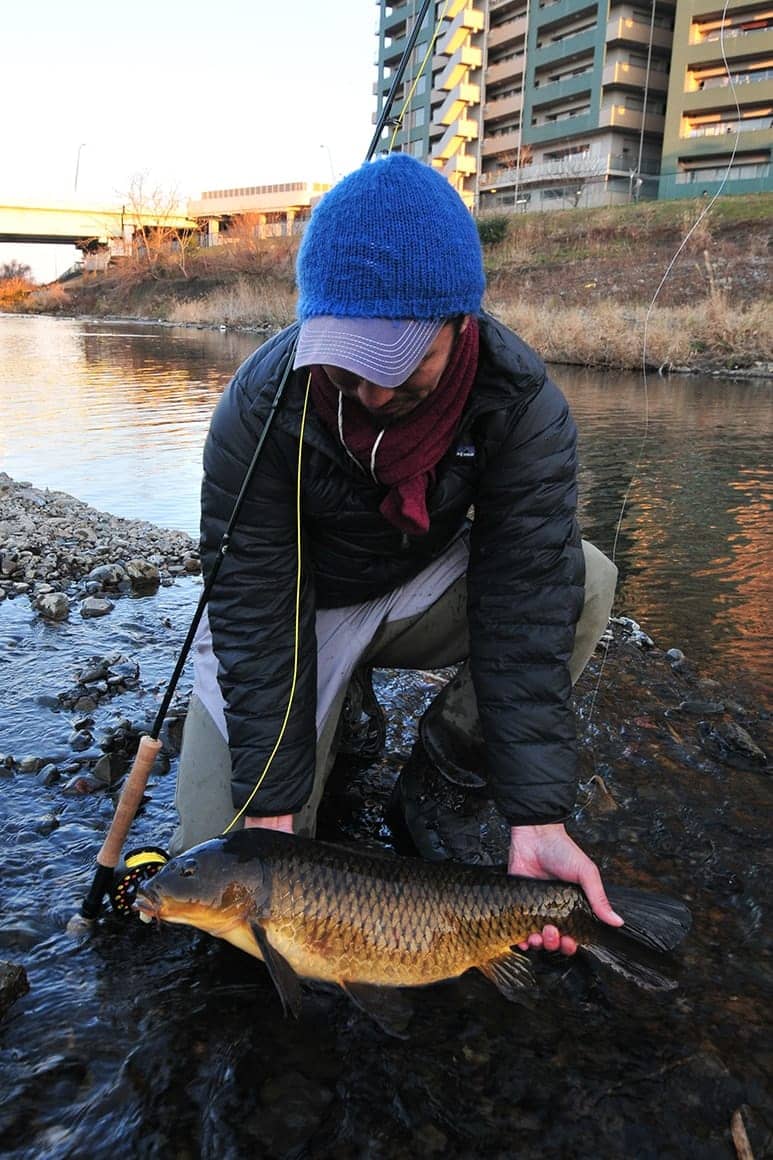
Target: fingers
x=590, y=881
x=550, y=939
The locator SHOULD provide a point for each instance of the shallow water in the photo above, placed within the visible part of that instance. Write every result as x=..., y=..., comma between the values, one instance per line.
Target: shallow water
x=157, y=1042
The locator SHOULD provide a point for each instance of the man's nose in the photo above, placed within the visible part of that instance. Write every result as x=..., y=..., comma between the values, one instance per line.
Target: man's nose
x=372, y=396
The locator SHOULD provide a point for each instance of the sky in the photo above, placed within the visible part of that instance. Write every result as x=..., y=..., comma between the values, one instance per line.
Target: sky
x=191, y=95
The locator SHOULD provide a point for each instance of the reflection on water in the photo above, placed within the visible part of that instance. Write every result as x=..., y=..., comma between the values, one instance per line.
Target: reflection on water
x=116, y=414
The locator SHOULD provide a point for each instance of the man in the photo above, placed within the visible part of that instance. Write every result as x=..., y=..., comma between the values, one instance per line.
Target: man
x=405, y=408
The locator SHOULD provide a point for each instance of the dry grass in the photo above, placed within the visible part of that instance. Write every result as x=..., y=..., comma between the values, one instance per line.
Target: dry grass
x=710, y=333
x=14, y=292
x=245, y=302
x=49, y=299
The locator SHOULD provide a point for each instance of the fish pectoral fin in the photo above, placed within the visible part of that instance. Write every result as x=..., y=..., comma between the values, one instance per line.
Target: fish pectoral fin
x=282, y=975
x=387, y=1006
x=512, y=975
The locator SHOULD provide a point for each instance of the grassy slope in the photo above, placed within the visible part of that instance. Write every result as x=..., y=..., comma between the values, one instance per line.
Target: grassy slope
x=578, y=284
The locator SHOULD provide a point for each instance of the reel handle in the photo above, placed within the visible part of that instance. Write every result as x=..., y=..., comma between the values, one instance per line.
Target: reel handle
x=128, y=804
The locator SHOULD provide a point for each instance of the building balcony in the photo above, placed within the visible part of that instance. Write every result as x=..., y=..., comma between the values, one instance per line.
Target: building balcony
x=394, y=23
x=457, y=101
x=560, y=11
x=459, y=163
x=628, y=76
x=501, y=143
x=552, y=51
x=454, y=137
x=628, y=31
x=627, y=163
x=455, y=72
x=504, y=107
x=554, y=91
x=466, y=22
x=719, y=97
x=508, y=33
x=757, y=44
x=618, y=117
x=505, y=70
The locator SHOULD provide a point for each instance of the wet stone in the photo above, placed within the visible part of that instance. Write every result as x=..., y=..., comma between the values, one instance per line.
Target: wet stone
x=13, y=984
x=108, y=575
x=53, y=606
x=30, y=764
x=109, y=768
x=80, y=739
x=95, y=606
x=46, y=825
x=143, y=574
x=96, y=672
x=48, y=775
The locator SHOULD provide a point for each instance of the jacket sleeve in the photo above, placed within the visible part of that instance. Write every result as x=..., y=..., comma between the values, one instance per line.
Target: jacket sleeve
x=266, y=661
x=526, y=591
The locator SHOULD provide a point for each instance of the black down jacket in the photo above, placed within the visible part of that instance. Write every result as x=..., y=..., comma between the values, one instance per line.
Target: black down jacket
x=513, y=460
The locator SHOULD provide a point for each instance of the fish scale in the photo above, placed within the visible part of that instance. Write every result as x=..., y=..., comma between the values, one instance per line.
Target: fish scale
x=374, y=923
x=385, y=925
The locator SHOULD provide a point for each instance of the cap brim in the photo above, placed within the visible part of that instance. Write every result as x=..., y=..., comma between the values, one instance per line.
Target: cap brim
x=384, y=351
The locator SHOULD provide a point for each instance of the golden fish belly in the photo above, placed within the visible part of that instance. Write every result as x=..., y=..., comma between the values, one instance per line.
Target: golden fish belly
x=389, y=948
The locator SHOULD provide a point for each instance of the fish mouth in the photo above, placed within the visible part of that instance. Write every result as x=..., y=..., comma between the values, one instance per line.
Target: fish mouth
x=147, y=907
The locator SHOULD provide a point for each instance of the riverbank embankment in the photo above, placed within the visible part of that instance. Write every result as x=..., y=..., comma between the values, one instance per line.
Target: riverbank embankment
x=672, y=286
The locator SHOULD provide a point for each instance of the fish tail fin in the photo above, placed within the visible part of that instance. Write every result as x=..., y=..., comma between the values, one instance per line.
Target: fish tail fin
x=654, y=925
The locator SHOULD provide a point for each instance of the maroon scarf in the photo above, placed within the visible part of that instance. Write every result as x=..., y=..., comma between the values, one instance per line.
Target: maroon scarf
x=408, y=452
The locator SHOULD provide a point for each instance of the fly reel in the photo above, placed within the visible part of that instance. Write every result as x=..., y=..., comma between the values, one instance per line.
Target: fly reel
x=136, y=869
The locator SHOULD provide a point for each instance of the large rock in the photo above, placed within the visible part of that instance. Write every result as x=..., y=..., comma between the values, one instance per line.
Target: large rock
x=95, y=606
x=53, y=605
x=143, y=574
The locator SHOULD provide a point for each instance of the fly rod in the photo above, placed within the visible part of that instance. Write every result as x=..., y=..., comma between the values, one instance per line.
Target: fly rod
x=136, y=781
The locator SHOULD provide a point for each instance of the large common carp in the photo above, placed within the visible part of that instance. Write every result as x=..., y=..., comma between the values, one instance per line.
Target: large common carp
x=371, y=923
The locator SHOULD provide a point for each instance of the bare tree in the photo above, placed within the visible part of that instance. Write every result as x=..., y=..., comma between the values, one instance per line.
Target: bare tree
x=15, y=271
x=153, y=214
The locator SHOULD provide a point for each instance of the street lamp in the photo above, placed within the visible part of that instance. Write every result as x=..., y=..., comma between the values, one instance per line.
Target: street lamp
x=78, y=164
x=330, y=159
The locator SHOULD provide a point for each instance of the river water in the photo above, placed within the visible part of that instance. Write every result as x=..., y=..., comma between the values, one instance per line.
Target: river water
x=116, y=415
x=156, y=1043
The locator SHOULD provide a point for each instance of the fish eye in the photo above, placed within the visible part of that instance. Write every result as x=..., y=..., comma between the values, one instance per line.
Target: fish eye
x=188, y=868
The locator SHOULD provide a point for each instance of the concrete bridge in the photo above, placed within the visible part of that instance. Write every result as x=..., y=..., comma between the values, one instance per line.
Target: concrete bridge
x=99, y=231
x=105, y=231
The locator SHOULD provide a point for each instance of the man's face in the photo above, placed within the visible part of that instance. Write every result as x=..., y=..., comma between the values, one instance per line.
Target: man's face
x=388, y=405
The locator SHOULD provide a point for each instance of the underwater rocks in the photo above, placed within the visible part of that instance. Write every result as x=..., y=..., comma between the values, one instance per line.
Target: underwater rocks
x=13, y=984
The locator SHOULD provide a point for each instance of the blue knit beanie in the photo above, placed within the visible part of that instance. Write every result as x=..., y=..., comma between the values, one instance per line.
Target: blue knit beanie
x=391, y=240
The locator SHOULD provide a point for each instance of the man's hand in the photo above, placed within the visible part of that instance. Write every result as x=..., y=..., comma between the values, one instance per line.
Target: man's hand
x=282, y=822
x=549, y=852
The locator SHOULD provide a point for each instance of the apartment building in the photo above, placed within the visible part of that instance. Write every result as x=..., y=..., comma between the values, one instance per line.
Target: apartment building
x=540, y=104
x=719, y=116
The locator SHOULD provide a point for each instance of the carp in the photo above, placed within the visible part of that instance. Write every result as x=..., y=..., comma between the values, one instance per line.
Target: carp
x=371, y=923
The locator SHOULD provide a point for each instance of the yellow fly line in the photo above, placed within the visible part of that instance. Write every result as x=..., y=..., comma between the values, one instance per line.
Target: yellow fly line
x=297, y=626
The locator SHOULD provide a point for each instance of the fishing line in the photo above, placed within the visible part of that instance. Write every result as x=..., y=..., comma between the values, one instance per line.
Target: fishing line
x=406, y=103
x=646, y=326
x=297, y=629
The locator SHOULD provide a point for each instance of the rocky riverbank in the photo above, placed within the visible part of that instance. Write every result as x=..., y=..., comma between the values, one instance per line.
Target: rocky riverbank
x=66, y=556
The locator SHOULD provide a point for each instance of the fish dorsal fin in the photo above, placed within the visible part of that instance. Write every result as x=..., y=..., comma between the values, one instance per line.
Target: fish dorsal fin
x=511, y=974
x=282, y=975
x=389, y=1007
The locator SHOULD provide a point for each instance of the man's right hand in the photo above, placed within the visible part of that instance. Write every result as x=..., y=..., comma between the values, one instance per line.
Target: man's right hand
x=549, y=852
